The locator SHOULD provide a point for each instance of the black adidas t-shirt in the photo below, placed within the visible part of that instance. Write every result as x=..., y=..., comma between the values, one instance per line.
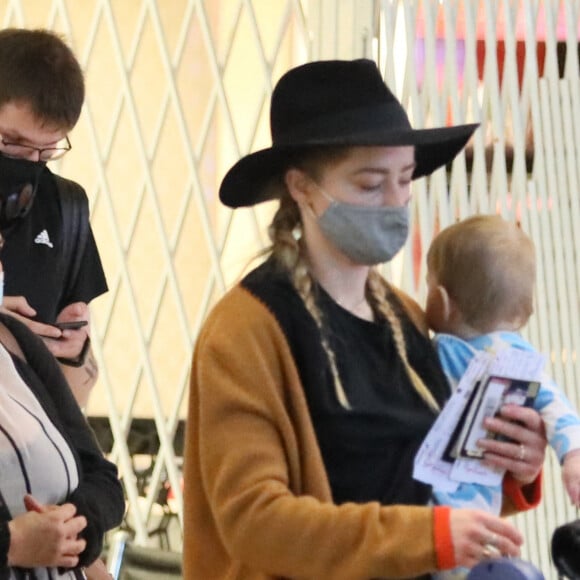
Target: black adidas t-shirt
x=33, y=262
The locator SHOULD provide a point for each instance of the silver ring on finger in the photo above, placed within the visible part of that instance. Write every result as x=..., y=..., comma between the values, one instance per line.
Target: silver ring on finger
x=521, y=456
x=490, y=551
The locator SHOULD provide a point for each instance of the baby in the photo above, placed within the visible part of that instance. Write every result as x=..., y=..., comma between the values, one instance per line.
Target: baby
x=480, y=275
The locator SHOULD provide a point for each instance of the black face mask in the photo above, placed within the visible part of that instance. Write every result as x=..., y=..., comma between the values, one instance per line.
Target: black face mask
x=18, y=184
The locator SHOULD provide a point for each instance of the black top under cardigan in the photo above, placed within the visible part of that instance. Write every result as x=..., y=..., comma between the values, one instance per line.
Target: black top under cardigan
x=367, y=450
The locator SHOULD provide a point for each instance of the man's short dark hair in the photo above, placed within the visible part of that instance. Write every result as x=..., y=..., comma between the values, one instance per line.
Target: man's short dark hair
x=39, y=69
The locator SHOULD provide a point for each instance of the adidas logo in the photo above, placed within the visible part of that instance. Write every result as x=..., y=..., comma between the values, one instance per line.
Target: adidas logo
x=42, y=238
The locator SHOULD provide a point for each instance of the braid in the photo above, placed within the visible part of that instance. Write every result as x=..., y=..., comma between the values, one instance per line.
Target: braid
x=379, y=291
x=287, y=249
x=285, y=233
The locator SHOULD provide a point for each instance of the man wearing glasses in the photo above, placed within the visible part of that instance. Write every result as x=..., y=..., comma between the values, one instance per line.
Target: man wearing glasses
x=41, y=96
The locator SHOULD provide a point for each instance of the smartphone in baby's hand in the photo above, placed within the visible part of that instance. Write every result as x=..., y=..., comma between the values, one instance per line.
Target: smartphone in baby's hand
x=71, y=324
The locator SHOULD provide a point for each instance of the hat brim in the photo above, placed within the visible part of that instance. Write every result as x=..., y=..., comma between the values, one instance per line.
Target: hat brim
x=248, y=182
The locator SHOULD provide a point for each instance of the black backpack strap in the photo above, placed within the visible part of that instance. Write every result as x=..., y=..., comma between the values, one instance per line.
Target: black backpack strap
x=75, y=218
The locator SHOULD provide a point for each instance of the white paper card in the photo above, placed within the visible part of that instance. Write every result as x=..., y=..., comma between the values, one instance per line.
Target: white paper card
x=445, y=457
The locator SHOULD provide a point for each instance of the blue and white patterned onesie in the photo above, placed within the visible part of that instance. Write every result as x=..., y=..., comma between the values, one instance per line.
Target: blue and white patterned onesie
x=560, y=418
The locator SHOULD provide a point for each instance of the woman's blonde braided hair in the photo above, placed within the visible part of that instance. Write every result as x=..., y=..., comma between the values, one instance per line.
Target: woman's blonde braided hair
x=380, y=290
x=288, y=250
x=285, y=234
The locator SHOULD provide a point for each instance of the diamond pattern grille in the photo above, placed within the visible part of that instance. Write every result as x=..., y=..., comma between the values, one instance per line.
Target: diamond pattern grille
x=176, y=91
x=512, y=66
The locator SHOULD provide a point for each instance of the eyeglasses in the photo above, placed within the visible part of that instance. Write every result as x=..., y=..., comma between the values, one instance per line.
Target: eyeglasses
x=20, y=151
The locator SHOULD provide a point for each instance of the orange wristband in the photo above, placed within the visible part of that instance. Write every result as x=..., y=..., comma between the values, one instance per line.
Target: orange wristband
x=444, y=549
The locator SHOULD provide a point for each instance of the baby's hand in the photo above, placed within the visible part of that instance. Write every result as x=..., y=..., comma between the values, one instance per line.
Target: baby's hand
x=571, y=475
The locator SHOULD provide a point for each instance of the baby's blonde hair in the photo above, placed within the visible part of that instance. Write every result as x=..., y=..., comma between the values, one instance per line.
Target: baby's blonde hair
x=288, y=250
x=487, y=266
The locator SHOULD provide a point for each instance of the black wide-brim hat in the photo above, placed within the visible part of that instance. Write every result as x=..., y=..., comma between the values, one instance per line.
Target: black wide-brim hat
x=335, y=103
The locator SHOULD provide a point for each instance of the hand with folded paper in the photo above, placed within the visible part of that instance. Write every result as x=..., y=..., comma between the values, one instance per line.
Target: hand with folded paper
x=450, y=454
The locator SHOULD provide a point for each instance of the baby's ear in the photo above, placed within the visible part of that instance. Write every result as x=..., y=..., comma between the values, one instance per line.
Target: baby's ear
x=445, y=301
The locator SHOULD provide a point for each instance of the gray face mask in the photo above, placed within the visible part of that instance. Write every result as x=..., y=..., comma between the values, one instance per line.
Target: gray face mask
x=367, y=235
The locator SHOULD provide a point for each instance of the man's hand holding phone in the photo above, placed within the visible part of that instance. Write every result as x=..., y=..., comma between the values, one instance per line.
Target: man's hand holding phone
x=73, y=324
x=19, y=308
x=67, y=338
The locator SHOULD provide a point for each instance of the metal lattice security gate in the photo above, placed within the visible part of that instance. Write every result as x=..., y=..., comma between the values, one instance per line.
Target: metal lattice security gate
x=179, y=89
x=513, y=67
x=176, y=91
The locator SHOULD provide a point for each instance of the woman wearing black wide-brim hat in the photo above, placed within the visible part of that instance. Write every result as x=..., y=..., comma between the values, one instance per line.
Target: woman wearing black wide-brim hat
x=314, y=381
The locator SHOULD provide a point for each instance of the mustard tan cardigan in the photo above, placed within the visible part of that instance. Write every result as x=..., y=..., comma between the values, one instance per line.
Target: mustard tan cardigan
x=258, y=504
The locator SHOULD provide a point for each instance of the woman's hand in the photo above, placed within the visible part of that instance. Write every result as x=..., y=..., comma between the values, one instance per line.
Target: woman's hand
x=47, y=536
x=478, y=535
x=523, y=454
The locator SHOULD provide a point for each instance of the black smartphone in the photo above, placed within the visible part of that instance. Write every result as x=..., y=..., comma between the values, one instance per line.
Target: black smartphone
x=71, y=324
